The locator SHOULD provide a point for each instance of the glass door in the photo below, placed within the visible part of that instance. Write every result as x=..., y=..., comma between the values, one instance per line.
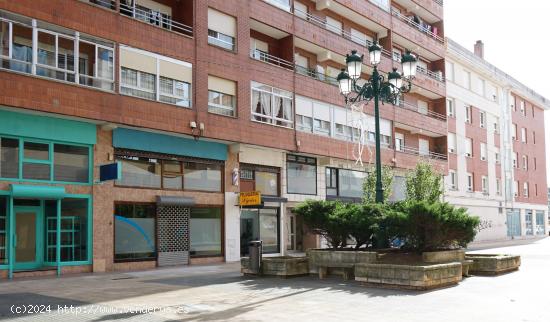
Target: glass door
x=28, y=237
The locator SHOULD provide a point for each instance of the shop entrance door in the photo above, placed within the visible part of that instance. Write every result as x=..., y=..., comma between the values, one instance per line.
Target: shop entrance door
x=260, y=224
x=28, y=238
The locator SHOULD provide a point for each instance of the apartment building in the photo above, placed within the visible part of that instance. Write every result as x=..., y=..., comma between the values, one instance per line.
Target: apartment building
x=196, y=101
x=496, y=144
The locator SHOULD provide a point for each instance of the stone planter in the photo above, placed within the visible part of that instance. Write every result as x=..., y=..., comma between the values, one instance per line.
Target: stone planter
x=444, y=256
x=335, y=258
x=284, y=266
x=487, y=264
x=416, y=277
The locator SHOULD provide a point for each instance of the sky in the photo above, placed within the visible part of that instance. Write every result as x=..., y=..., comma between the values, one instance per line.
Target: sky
x=515, y=34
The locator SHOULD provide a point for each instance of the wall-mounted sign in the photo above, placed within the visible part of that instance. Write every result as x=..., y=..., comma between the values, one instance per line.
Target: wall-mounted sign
x=112, y=171
x=250, y=198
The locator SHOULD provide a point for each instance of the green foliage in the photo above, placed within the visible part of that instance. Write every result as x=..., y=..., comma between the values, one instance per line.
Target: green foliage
x=324, y=218
x=369, y=184
x=433, y=226
x=364, y=222
x=423, y=183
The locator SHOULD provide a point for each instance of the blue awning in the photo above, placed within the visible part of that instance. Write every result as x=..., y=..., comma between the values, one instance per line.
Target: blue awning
x=39, y=192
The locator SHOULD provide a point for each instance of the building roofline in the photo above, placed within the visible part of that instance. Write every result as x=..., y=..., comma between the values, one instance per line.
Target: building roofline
x=460, y=52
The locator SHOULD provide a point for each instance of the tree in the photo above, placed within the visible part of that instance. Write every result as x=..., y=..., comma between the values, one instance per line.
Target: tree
x=423, y=183
x=325, y=218
x=369, y=184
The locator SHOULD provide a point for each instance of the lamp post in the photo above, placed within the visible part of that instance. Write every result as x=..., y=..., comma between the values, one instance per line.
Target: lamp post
x=376, y=88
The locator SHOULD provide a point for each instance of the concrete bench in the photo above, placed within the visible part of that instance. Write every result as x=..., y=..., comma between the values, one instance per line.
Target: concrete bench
x=347, y=270
x=466, y=265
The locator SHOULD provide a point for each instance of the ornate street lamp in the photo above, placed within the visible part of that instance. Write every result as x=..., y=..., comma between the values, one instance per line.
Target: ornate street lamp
x=378, y=89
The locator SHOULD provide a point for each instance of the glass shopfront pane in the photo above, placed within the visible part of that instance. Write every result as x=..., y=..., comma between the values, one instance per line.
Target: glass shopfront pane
x=74, y=230
x=267, y=183
x=302, y=178
x=206, y=231
x=269, y=230
x=36, y=151
x=36, y=171
x=199, y=176
x=135, y=231
x=9, y=158
x=351, y=183
x=71, y=163
x=140, y=172
x=172, y=177
x=3, y=229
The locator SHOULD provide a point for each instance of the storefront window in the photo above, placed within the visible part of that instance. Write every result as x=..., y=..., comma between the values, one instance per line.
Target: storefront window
x=135, y=232
x=140, y=172
x=301, y=175
x=74, y=230
x=9, y=158
x=260, y=224
x=205, y=177
x=350, y=183
x=3, y=229
x=206, y=231
x=172, y=175
x=266, y=183
x=71, y=163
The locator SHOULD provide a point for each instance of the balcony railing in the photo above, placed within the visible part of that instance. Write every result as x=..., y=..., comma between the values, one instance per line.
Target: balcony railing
x=109, y=4
x=320, y=22
x=416, y=151
x=316, y=75
x=270, y=59
x=422, y=28
x=429, y=113
x=155, y=18
x=438, y=76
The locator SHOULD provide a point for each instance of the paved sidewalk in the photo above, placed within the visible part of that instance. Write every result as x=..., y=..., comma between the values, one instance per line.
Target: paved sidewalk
x=219, y=293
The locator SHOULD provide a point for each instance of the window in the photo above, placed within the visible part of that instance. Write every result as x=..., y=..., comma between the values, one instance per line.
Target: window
x=321, y=127
x=483, y=151
x=135, y=237
x=480, y=86
x=75, y=222
x=399, y=141
x=452, y=180
x=468, y=114
x=522, y=107
x=300, y=10
x=140, y=172
x=515, y=159
x=536, y=189
x=155, y=77
x=523, y=135
x=423, y=147
x=345, y=183
x=525, y=162
x=271, y=105
x=451, y=142
x=450, y=70
x=71, y=163
x=301, y=175
x=516, y=188
x=496, y=126
x=44, y=161
x=482, y=119
x=202, y=176
x=497, y=155
x=470, y=182
x=514, y=131
x=172, y=175
x=466, y=81
x=221, y=96
x=9, y=158
x=469, y=147
x=257, y=178
x=283, y=4
x=136, y=83
x=498, y=191
x=260, y=224
x=384, y=4
x=535, y=163
x=343, y=132
x=222, y=29
x=396, y=54
x=484, y=186
x=528, y=222
x=534, y=141
x=450, y=108
x=304, y=123
x=333, y=25
x=92, y=65
x=3, y=229
x=205, y=232
x=526, y=189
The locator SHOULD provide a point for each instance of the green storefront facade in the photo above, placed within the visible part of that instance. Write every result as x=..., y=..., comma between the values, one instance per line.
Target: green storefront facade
x=46, y=178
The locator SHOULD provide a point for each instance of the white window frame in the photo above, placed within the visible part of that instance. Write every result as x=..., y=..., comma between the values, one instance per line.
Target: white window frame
x=522, y=107
x=301, y=125
x=514, y=131
x=498, y=190
x=469, y=144
x=526, y=189
x=525, y=162
x=468, y=116
x=516, y=188
x=469, y=182
x=482, y=119
x=137, y=87
x=515, y=160
x=216, y=41
x=483, y=151
x=272, y=119
x=497, y=155
x=232, y=109
x=452, y=180
x=484, y=185
x=451, y=107
x=523, y=135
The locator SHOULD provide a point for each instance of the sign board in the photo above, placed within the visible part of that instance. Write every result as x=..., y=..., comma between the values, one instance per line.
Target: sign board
x=250, y=198
x=112, y=171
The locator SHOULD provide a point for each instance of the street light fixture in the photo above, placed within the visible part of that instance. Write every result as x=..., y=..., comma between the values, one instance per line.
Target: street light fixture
x=376, y=88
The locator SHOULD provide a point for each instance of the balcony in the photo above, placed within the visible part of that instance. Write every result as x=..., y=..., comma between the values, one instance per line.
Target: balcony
x=108, y=4
x=427, y=154
x=270, y=59
x=430, y=9
x=176, y=17
x=421, y=27
x=429, y=113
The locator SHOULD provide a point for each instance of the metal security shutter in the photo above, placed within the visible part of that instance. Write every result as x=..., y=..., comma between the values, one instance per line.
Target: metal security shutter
x=173, y=235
